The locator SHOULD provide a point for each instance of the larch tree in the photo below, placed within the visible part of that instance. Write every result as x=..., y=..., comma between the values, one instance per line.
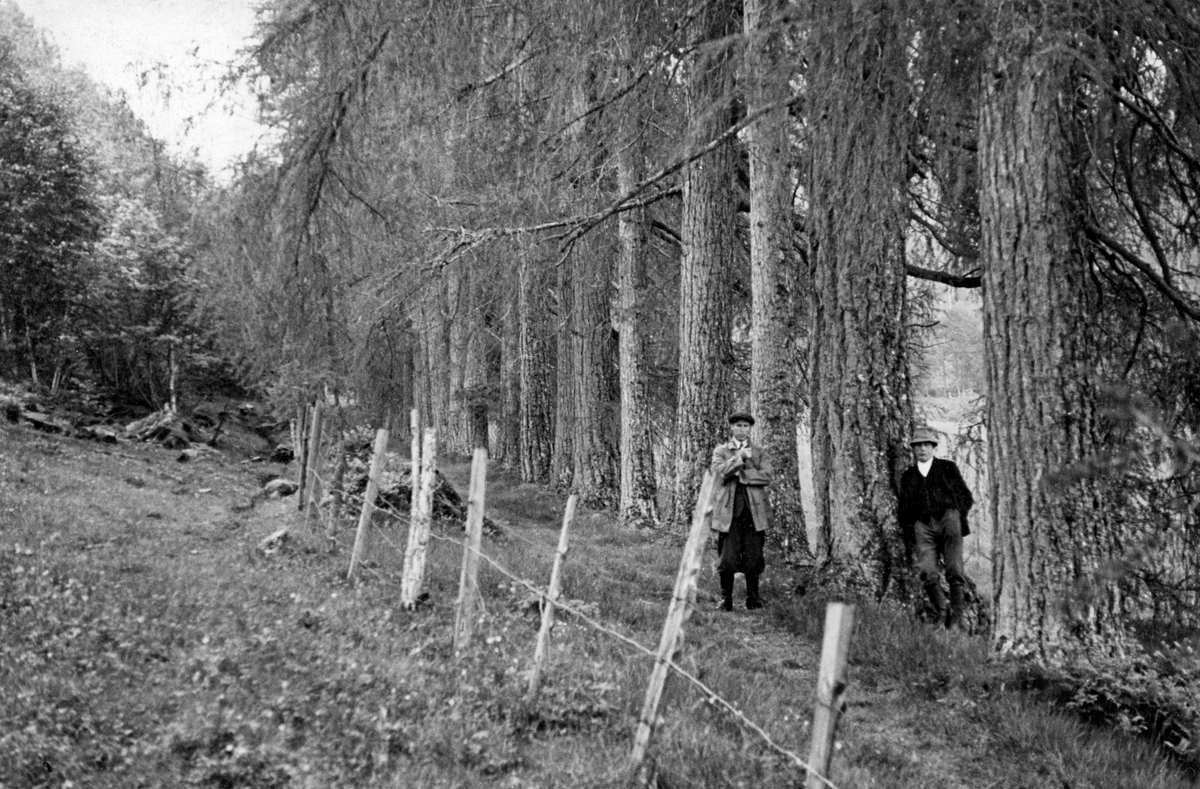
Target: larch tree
x=776, y=279
x=595, y=441
x=858, y=122
x=638, y=506
x=508, y=437
x=1060, y=530
x=707, y=230
x=536, y=351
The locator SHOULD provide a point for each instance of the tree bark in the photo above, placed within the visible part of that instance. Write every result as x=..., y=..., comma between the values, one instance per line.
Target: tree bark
x=1053, y=534
x=777, y=312
x=595, y=442
x=476, y=393
x=537, y=372
x=562, y=463
x=432, y=393
x=639, y=499
x=707, y=231
x=508, y=438
x=857, y=362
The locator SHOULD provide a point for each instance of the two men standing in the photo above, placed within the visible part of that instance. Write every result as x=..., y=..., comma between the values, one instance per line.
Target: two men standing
x=934, y=501
x=933, y=504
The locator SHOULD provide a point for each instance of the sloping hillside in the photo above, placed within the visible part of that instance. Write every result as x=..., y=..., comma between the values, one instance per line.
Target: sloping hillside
x=146, y=641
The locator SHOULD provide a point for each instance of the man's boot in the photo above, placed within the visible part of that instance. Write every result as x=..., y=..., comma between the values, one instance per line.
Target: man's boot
x=938, y=598
x=954, y=621
x=753, y=601
x=726, y=603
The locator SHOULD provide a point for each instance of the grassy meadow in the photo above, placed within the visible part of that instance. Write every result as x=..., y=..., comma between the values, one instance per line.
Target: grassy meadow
x=146, y=642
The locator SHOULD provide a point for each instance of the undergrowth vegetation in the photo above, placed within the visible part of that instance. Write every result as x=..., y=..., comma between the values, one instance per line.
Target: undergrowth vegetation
x=144, y=641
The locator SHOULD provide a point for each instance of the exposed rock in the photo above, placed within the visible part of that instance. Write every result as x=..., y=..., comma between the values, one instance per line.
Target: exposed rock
x=44, y=422
x=447, y=503
x=278, y=488
x=163, y=427
x=273, y=543
x=102, y=433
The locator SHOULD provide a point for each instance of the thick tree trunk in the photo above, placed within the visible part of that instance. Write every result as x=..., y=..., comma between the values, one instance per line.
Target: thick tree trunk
x=455, y=435
x=708, y=258
x=639, y=499
x=1053, y=537
x=432, y=393
x=562, y=463
x=508, y=436
x=595, y=442
x=777, y=319
x=859, y=372
x=537, y=373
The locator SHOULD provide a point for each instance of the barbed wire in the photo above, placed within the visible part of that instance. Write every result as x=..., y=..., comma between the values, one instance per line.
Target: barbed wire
x=547, y=547
x=711, y=696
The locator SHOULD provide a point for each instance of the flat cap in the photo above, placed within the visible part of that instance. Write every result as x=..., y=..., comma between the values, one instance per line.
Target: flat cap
x=740, y=416
x=924, y=435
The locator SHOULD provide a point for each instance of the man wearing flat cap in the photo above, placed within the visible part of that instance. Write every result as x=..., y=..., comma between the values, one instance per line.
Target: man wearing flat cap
x=740, y=512
x=934, y=501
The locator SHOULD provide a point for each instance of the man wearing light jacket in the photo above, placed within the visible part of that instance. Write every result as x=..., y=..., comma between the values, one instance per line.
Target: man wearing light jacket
x=740, y=512
x=934, y=501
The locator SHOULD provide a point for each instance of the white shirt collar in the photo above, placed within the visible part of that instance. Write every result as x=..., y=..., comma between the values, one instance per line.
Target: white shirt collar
x=924, y=467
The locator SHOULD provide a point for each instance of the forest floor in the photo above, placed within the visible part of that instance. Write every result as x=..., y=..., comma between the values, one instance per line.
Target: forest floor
x=146, y=641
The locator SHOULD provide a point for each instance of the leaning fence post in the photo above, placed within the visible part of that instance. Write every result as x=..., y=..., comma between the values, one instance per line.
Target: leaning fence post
x=302, y=425
x=551, y=597
x=677, y=615
x=468, y=586
x=418, y=530
x=414, y=470
x=313, y=496
x=378, y=456
x=831, y=689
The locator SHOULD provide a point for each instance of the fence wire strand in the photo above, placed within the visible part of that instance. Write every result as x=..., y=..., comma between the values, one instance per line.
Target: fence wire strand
x=710, y=695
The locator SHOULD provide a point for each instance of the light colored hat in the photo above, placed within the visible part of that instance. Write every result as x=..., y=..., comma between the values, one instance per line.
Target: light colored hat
x=924, y=435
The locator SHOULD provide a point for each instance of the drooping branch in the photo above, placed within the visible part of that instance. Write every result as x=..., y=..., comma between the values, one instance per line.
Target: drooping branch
x=471, y=87
x=323, y=141
x=939, y=234
x=1182, y=304
x=622, y=203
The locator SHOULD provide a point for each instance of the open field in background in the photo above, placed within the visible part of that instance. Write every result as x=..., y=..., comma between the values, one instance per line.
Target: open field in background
x=145, y=642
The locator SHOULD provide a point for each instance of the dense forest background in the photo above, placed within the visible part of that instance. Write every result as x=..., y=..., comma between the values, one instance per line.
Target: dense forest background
x=581, y=234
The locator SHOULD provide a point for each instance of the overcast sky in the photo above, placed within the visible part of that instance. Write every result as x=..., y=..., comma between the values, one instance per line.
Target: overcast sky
x=188, y=42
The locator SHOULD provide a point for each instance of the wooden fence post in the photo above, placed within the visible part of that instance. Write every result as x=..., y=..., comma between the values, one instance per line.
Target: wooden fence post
x=466, y=609
x=831, y=689
x=302, y=425
x=678, y=613
x=378, y=457
x=414, y=426
x=313, y=496
x=550, y=598
x=337, y=493
x=418, y=530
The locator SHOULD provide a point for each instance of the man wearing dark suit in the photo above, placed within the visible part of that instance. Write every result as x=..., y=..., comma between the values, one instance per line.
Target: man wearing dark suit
x=934, y=501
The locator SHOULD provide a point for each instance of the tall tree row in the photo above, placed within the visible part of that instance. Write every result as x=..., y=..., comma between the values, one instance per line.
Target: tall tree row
x=597, y=229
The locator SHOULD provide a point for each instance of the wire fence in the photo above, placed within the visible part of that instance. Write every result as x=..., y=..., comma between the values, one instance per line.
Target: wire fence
x=710, y=695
